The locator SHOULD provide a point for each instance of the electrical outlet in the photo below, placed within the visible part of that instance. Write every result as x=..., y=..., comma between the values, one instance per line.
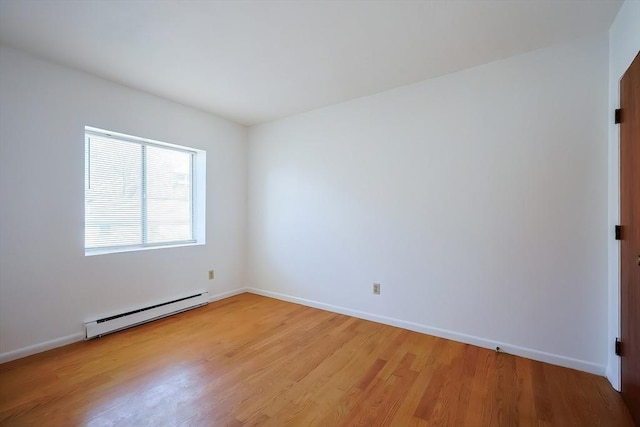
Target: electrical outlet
x=211, y=275
x=376, y=288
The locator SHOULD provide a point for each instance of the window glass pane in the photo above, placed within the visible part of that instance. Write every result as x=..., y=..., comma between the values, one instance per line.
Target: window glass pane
x=168, y=195
x=113, y=193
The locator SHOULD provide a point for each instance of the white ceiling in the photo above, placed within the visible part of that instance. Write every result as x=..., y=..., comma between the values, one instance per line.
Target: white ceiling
x=255, y=61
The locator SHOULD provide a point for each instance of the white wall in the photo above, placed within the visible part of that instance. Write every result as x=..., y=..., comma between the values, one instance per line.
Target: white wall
x=624, y=44
x=478, y=200
x=47, y=286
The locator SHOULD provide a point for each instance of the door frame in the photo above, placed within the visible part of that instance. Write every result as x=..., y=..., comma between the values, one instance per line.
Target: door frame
x=614, y=365
x=628, y=267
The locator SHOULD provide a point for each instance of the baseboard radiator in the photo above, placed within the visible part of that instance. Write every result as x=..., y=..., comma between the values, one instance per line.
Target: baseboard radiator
x=118, y=322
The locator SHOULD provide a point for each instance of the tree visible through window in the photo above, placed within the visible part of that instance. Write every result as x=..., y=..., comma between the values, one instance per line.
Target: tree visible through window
x=137, y=193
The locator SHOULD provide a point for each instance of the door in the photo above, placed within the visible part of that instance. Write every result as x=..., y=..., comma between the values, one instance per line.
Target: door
x=630, y=239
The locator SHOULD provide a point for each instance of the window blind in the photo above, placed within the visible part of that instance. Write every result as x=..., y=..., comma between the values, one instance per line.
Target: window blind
x=136, y=193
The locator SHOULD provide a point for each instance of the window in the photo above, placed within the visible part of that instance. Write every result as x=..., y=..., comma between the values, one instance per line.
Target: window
x=140, y=193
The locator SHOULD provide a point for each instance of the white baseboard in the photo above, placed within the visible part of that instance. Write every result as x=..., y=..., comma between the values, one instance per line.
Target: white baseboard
x=228, y=294
x=39, y=348
x=541, y=356
x=69, y=339
x=412, y=326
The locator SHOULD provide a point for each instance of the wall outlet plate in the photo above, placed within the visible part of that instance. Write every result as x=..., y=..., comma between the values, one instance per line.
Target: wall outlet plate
x=211, y=274
x=376, y=288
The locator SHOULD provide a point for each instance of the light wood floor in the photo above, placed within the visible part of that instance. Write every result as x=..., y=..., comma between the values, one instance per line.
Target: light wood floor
x=250, y=360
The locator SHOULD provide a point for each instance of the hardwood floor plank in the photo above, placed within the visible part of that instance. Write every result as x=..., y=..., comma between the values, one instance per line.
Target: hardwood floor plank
x=507, y=390
x=526, y=400
x=541, y=394
x=255, y=361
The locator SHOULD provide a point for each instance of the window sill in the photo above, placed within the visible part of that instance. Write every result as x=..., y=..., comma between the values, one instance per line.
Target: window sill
x=106, y=251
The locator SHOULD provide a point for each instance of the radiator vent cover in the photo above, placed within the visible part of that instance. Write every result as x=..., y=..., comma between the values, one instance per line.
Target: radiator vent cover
x=136, y=317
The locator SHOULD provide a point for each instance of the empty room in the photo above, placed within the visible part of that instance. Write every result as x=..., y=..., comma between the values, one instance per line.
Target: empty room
x=320, y=213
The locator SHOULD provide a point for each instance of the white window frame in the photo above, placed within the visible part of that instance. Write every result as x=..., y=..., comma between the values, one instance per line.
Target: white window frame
x=198, y=193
